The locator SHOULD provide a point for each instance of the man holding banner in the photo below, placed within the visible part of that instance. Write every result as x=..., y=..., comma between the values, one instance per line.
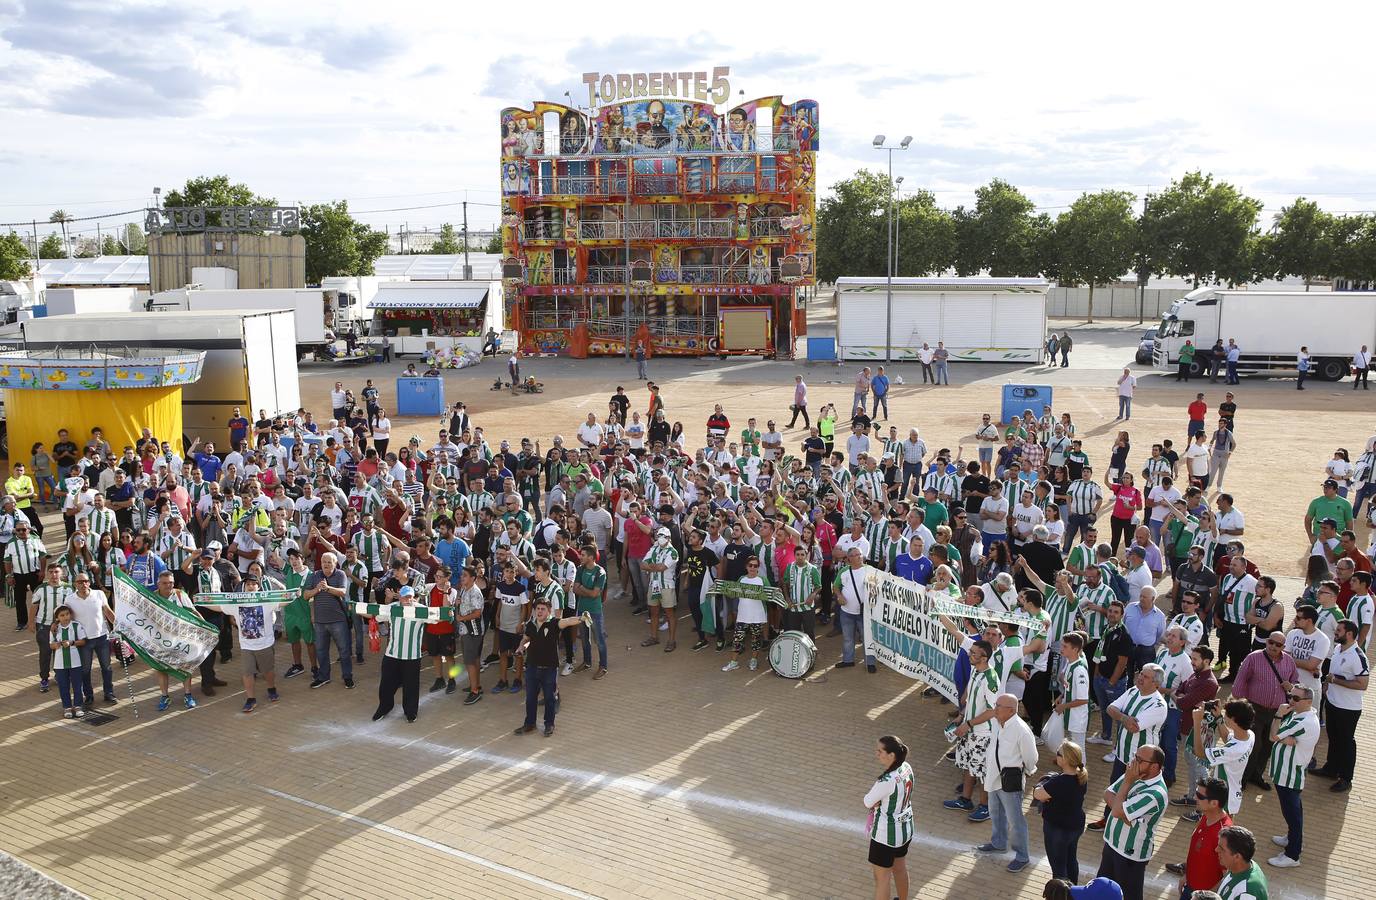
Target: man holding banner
x=164, y=630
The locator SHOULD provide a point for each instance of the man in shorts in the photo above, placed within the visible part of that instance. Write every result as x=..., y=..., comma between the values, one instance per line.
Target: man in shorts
x=254, y=625
x=660, y=565
x=470, y=624
x=296, y=617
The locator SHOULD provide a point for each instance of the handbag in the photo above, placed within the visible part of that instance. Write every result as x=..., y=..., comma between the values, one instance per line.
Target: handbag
x=1010, y=777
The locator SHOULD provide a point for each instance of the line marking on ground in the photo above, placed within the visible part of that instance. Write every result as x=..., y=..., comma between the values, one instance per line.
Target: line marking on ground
x=644, y=787
x=432, y=845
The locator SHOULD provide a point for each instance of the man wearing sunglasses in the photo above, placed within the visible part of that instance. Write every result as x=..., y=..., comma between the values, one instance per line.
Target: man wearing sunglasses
x=1201, y=869
x=1294, y=735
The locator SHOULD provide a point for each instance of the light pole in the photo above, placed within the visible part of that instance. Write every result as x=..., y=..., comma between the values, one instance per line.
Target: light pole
x=888, y=305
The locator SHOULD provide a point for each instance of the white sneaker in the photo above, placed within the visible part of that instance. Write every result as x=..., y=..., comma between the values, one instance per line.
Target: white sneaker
x=1281, y=840
x=1283, y=862
x=754, y=664
x=1109, y=757
x=664, y=626
x=731, y=666
x=567, y=670
x=1039, y=741
x=1098, y=740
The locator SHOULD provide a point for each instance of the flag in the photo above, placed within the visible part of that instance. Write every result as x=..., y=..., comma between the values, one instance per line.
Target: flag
x=247, y=598
x=169, y=637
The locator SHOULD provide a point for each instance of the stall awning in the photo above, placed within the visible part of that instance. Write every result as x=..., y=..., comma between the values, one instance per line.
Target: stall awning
x=448, y=298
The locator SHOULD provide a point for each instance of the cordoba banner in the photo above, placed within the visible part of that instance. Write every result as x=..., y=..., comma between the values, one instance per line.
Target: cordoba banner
x=902, y=632
x=247, y=598
x=166, y=635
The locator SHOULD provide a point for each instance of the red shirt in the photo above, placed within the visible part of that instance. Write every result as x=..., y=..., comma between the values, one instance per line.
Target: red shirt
x=438, y=594
x=1198, y=410
x=1202, y=869
x=638, y=542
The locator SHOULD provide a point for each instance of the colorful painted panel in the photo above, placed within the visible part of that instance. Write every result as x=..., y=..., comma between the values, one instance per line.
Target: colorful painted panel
x=55, y=374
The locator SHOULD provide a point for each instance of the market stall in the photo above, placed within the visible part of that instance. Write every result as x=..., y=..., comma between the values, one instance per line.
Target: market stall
x=444, y=318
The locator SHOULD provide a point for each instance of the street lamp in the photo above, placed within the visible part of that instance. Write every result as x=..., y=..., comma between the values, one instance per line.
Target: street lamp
x=888, y=306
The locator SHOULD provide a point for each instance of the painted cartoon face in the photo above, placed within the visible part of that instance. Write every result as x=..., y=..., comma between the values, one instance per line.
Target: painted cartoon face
x=655, y=112
x=735, y=120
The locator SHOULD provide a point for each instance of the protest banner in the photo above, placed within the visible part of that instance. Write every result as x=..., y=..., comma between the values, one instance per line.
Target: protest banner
x=902, y=632
x=167, y=636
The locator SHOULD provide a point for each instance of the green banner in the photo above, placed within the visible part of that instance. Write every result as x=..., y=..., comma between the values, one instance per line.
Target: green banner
x=763, y=593
x=167, y=636
x=247, y=598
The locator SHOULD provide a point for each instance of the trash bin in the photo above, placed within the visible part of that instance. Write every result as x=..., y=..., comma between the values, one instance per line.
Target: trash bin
x=822, y=349
x=420, y=396
x=1018, y=397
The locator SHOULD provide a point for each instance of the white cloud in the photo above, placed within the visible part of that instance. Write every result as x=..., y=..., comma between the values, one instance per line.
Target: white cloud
x=312, y=101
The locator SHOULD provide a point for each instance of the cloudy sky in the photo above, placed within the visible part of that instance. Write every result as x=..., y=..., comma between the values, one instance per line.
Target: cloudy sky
x=394, y=106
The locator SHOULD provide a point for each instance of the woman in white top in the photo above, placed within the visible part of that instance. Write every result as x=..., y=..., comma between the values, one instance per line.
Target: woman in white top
x=92, y=610
x=1054, y=525
x=382, y=432
x=751, y=619
x=1340, y=469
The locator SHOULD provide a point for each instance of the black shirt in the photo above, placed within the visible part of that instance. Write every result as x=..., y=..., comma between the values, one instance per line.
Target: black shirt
x=974, y=488
x=1116, y=642
x=544, y=643
x=1226, y=410
x=1044, y=559
x=1201, y=582
x=735, y=557
x=622, y=403
x=814, y=449
x=862, y=421
x=692, y=569
x=64, y=454
x=1066, y=808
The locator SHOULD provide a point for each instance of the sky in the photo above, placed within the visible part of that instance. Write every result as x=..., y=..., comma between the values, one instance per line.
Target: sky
x=394, y=107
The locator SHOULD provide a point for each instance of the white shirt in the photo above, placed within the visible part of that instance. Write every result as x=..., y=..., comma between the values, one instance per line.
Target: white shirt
x=855, y=445
x=1349, y=663
x=1137, y=579
x=590, y=434
x=1304, y=647
x=854, y=588
x=1126, y=385
x=337, y=399
x=1231, y=756
x=1025, y=518
x=382, y=431
x=88, y=613
x=1197, y=459
x=996, y=602
x=925, y=354
x=1160, y=496
x=1232, y=520
x=993, y=516
x=1011, y=744
x=1361, y=359
x=255, y=625
x=751, y=612
x=846, y=541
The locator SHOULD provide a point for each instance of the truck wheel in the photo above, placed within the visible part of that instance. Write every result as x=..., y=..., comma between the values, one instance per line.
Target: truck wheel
x=1196, y=369
x=1332, y=369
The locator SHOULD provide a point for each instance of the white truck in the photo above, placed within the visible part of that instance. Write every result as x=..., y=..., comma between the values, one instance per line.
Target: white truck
x=83, y=301
x=250, y=359
x=351, y=295
x=1269, y=328
x=315, y=316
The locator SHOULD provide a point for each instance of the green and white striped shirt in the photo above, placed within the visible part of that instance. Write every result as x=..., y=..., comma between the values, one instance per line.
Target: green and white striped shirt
x=1144, y=805
x=356, y=570
x=408, y=625
x=1095, y=621
x=1249, y=884
x=1288, y=763
x=1075, y=686
x=1012, y=491
x=1061, y=611
x=980, y=695
x=1194, y=629
x=803, y=580
x=946, y=485
x=888, y=551
x=370, y=549
x=665, y=556
x=102, y=520
x=1150, y=712
x=177, y=548
x=477, y=502
x=1237, y=596
x=875, y=530
x=871, y=482
x=891, y=822
x=1177, y=667
x=25, y=555
x=1156, y=468
x=1081, y=496
x=67, y=657
x=48, y=598
x=552, y=592
x=1360, y=611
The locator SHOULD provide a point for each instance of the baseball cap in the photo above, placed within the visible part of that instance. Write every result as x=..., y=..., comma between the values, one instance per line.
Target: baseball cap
x=1330, y=483
x=207, y=554
x=214, y=545
x=406, y=591
x=1329, y=520
x=663, y=532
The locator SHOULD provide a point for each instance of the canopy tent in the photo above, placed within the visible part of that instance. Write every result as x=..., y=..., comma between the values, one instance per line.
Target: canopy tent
x=413, y=296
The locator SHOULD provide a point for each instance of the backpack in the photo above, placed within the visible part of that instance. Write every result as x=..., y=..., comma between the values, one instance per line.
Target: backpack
x=1119, y=585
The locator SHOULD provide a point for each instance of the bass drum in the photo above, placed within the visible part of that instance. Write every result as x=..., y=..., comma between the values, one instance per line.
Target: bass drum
x=792, y=654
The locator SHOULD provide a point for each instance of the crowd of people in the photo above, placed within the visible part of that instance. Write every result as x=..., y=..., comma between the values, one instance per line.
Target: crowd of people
x=497, y=559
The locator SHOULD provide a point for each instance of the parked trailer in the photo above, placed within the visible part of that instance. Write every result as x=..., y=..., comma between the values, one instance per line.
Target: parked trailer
x=1269, y=328
x=314, y=315
x=979, y=319
x=250, y=359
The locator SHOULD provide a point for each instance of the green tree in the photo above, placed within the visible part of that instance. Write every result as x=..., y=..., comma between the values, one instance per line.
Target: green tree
x=447, y=242
x=1094, y=240
x=14, y=258
x=494, y=245
x=109, y=246
x=51, y=247
x=1301, y=244
x=1000, y=234
x=215, y=190
x=852, y=227
x=61, y=217
x=1201, y=230
x=926, y=236
x=336, y=244
x=133, y=241
x=1354, y=247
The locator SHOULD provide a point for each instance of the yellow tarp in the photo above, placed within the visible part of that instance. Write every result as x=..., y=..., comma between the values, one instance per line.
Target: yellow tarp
x=34, y=416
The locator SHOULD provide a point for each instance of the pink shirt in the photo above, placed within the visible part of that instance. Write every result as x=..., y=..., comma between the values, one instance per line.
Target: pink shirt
x=800, y=394
x=1127, y=500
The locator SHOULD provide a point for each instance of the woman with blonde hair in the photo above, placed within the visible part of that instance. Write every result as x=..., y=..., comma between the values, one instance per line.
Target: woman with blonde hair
x=1061, y=795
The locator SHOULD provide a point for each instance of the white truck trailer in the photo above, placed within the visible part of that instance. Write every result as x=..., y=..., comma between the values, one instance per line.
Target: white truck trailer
x=315, y=316
x=1269, y=328
x=351, y=296
x=250, y=359
x=979, y=319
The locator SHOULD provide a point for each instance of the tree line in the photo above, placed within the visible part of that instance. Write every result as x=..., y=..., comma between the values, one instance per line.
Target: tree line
x=1199, y=229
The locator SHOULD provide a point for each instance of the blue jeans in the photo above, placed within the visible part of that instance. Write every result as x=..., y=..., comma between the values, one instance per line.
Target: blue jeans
x=50, y=483
x=857, y=399
x=69, y=686
x=540, y=678
x=943, y=373
x=1075, y=524
x=1170, y=741
x=338, y=632
x=1006, y=808
x=97, y=648
x=597, y=619
x=1365, y=492
x=1062, y=845
x=852, y=630
x=1105, y=692
x=911, y=472
x=359, y=625
x=1154, y=528
x=1124, y=407
x=1232, y=372
x=640, y=369
x=878, y=400
x=1293, y=810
